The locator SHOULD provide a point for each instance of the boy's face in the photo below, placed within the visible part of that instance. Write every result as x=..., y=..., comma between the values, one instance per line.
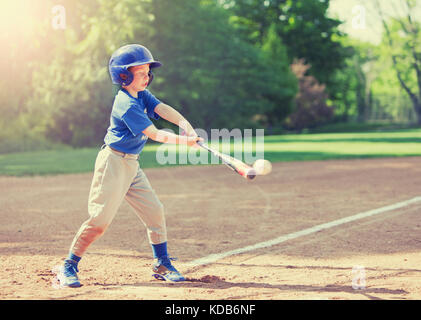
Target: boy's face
x=140, y=77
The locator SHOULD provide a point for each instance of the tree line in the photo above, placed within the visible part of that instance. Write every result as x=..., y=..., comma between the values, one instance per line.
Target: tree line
x=275, y=64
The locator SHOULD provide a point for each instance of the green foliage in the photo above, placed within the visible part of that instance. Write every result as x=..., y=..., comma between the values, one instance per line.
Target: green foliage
x=303, y=26
x=370, y=89
x=398, y=86
x=283, y=94
x=354, y=81
x=402, y=37
x=226, y=65
x=76, y=101
x=18, y=135
x=214, y=77
x=75, y=106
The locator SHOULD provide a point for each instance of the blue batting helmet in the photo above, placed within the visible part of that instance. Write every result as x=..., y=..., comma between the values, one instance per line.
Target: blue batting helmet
x=129, y=56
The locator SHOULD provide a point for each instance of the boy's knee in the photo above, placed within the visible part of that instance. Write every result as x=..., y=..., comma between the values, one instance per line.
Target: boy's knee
x=96, y=226
x=159, y=209
x=157, y=216
x=99, y=230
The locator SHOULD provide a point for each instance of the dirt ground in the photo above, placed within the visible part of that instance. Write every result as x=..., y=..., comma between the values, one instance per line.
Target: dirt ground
x=211, y=210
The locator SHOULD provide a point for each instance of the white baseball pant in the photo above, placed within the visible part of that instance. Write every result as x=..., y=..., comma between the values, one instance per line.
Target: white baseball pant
x=118, y=176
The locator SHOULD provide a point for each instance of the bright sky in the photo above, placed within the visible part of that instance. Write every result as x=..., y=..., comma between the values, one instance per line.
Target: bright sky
x=361, y=18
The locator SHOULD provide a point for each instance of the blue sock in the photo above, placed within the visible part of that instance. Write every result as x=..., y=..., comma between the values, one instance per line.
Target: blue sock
x=74, y=257
x=159, y=250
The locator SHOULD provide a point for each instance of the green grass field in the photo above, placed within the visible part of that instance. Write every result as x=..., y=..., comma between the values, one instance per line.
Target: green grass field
x=303, y=147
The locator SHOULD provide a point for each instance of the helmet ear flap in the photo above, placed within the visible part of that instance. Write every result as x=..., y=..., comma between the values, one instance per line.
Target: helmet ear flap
x=120, y=75
x=150, y=74
x=126, y=77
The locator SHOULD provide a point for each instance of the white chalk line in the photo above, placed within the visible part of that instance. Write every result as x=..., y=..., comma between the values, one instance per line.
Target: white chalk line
x=217, y=256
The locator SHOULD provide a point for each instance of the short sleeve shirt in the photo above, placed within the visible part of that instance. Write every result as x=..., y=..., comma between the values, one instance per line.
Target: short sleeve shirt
x=129, y=117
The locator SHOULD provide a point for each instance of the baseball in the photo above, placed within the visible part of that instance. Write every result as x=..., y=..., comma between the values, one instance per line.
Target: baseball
x=262, y=166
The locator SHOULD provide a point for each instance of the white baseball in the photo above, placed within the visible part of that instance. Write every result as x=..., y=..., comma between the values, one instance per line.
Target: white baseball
x=262, y=166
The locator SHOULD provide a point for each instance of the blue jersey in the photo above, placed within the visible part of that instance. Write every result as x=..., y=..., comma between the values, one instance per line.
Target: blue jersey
x=129, y=117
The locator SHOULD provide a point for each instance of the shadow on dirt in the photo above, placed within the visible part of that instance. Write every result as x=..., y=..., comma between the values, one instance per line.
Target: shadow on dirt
x=222, y=284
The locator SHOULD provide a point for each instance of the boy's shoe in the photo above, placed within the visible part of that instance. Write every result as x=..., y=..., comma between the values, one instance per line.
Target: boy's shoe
x=68, y=277
x=164, y=270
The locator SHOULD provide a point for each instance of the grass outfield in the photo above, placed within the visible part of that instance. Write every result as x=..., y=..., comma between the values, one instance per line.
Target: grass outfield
x=302, y=147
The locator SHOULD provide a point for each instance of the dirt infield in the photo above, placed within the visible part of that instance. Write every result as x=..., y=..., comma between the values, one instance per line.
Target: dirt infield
x=211, y=210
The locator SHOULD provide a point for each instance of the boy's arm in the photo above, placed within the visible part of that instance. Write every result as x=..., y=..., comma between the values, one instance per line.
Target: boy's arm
x=168, y=137
x=170, y=114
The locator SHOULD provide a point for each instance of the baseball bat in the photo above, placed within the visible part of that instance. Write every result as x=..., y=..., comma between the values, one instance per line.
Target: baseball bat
x=236, y=165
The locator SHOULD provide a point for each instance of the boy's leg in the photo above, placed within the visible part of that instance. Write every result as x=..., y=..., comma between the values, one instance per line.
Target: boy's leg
x=112, y=178
x=143, y=199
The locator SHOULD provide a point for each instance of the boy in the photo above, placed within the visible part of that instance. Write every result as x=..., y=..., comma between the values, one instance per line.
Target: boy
x=117, y=173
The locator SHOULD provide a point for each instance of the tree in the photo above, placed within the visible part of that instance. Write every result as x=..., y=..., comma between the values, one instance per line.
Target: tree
x=28, y=45
x=302, y=25
x=402, y=35
x=311, y=101
x=76, y=101
x=210, y=73
x=284, y=94
x=353, y=100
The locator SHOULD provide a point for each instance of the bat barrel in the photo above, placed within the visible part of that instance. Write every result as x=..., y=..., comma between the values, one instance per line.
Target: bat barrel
x=236, y=165
x=251, y=174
